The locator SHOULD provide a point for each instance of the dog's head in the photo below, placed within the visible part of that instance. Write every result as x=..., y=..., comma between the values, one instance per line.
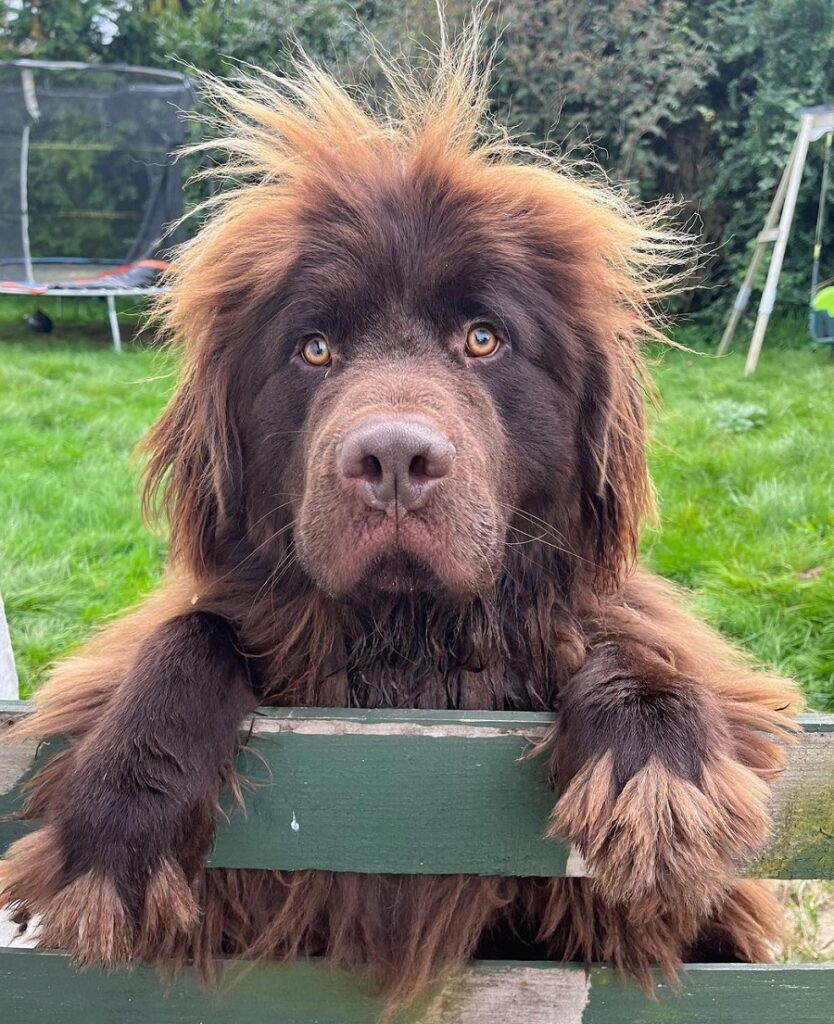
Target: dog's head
x=409, y=353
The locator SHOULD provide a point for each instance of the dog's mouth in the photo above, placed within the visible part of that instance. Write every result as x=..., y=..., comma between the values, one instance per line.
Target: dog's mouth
x=398, y=571
x=432, y=551
x=386, y=552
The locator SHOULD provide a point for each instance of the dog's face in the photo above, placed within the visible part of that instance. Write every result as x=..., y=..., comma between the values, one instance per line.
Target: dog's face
x=416, y=385
x=409, y=371
x=407, y=396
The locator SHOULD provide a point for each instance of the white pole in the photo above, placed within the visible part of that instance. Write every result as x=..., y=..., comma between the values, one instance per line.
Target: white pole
x=24, y=204
x=8, y=673
x=30, y=99
x=114, y=323
x=769, y=294
x=8, y=691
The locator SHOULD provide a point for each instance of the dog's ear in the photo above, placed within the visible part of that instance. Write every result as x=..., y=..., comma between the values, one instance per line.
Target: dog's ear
x=195, y=462
x=616, y=491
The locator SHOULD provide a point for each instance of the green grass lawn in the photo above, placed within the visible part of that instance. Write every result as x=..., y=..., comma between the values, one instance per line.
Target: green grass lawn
x=744, y=472
x=743, y=469
x=73, y=549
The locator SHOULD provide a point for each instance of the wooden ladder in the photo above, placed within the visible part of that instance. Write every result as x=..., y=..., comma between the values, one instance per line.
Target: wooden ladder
x=814, y=124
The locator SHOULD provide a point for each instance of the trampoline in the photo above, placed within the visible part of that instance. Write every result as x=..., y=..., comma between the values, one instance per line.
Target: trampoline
x=88, y=179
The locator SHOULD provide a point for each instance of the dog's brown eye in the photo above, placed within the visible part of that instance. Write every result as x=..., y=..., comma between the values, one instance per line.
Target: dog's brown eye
x=316, y=351
x=481, y=340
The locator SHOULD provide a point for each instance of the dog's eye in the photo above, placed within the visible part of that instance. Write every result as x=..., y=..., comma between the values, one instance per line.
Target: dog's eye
x=316, y=351
x=481, y=340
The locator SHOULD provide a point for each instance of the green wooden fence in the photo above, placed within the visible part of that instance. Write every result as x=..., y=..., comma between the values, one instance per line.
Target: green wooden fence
x=426, y=792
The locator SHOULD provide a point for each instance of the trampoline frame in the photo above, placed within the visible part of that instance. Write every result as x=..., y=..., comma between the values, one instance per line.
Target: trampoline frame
x=110, y=294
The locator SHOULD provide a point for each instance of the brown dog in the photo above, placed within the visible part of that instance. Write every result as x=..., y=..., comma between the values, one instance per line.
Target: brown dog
x=405, y=467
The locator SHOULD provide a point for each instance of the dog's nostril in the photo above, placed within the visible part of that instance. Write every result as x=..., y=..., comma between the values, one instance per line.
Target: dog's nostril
x=418, y=467
x=371, y=468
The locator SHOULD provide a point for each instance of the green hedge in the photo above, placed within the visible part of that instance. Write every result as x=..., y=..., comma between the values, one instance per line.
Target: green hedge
x=694, y=99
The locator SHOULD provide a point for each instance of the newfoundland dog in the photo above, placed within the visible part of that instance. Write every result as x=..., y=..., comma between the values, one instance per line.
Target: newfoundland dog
x=405, y=467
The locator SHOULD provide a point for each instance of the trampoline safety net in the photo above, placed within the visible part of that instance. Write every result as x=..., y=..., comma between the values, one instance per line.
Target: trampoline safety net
x=87, y=174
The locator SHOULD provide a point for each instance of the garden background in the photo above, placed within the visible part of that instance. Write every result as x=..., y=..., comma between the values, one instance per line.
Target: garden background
x=690, y=98
x=696, y=100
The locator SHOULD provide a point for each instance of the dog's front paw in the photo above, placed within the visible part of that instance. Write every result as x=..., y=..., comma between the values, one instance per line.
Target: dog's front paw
x=660, y=840
x=94, y=915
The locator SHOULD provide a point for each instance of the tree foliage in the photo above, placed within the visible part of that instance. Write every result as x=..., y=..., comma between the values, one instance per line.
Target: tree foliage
x=690, y=98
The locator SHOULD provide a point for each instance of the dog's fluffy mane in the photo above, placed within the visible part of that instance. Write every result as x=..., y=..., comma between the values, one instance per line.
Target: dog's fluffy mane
x=286, y=141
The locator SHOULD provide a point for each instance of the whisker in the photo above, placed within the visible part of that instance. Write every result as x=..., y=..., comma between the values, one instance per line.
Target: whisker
x=533, y=518
x=255, y=550
x=281, y=433
x=562, y=548
x=272, y=578
x=269, y=513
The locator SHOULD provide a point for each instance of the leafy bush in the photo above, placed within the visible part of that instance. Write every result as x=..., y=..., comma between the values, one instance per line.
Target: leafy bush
x=692, y=98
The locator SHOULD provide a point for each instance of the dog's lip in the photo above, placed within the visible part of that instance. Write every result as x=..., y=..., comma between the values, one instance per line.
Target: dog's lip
x=397, y=528
x=397, y=569
x=382, y=537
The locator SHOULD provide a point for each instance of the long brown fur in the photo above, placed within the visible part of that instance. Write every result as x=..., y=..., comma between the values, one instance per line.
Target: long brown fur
x=538, y=604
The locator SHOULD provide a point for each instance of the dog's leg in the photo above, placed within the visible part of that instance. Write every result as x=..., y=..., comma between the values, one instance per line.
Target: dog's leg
x=652, y=791
x=109, y=873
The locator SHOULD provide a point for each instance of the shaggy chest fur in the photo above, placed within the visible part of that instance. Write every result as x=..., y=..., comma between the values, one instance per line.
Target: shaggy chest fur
x=417, y=652
x=404, y=679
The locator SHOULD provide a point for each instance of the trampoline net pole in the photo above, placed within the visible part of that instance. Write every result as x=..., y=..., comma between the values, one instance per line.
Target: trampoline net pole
x=24, y=204
x=30, y=100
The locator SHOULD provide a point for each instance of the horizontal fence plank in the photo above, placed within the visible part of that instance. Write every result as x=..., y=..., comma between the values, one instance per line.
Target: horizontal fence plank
x=435, y=792
x=43, y=988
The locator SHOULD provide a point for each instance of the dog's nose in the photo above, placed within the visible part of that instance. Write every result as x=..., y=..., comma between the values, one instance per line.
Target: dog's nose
x=395, y=461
